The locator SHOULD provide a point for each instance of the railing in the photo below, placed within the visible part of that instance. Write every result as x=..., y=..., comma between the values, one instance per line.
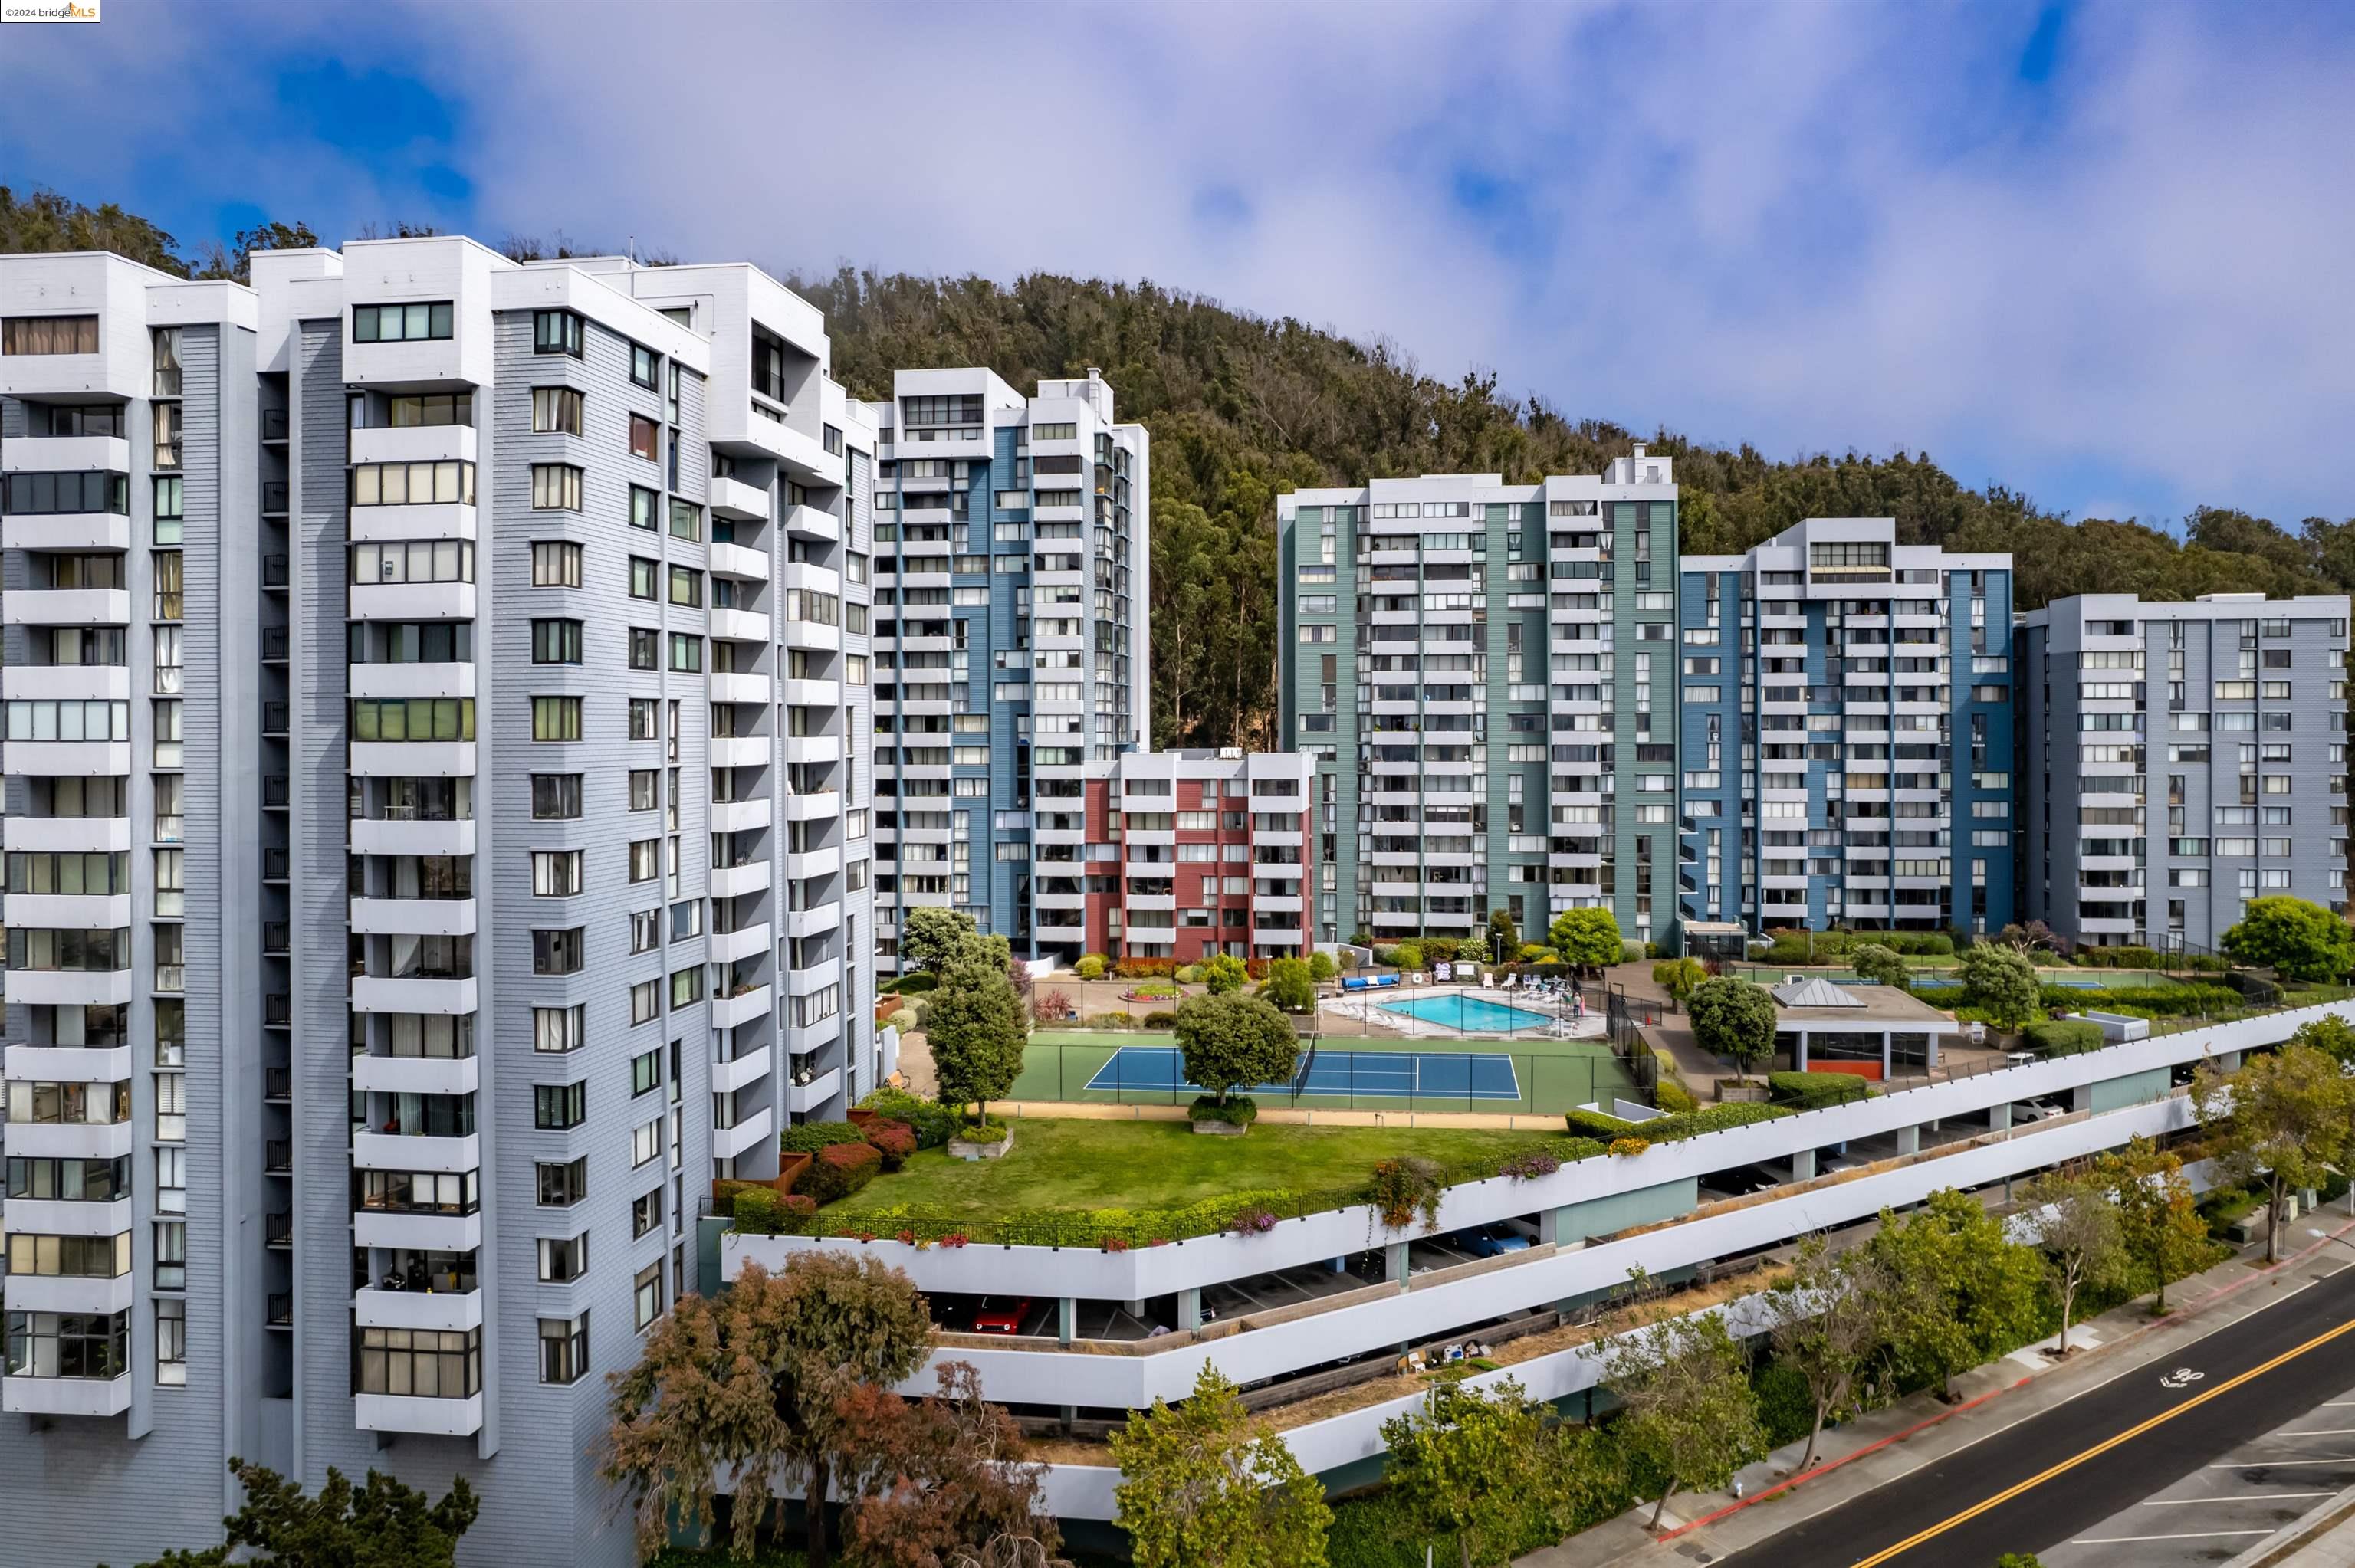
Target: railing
x=277, y=1010
x=278, y=1230
x=274, y=791
x=277, y=1084
x=273, y=644
x=273, y=424
x=273, y=571
x=282, y=1311
x=275, y=936
x=278, y=1156
x=274, y=722
x=273, y=496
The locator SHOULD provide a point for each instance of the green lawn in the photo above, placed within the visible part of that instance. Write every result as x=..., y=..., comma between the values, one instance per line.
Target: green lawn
x=1058, y=1164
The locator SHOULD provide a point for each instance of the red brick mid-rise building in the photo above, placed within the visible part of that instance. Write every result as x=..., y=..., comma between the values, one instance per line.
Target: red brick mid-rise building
x=1188, y=855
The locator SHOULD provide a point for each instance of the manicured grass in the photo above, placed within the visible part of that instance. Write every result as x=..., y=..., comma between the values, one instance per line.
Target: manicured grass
x=1059, y=1164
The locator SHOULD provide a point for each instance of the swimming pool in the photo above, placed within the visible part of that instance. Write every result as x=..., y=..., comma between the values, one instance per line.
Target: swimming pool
x=1468, y=1015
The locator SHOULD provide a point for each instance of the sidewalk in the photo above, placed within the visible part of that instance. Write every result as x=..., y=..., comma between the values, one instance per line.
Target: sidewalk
x=1884, y=1445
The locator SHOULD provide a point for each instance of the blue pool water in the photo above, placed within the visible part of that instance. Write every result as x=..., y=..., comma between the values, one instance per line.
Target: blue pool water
x=1468, y=1014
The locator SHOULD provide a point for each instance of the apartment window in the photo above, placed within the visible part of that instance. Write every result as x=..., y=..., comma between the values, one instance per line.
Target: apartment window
x=685, y=987
x=556, y=1107
x=560, y=1186
x=49, y=334
x=170, y=498
x=645, y=507
x=69, y=1258
x=416, y=561
x=642, y=788
x=685, y=653
x=555, y=487
x=644, y=860
x=557, y=952
x=433, y=408
x=555, y=797
x=641, y=366
x=555, y=874
x=645, y=931
x=646, y=647
x=686, y=520
x=555, y=563
x=646, y=1141
x=401, y=323
x=33, y=494
x=646, y=1213
x=170, y=602
x=648, y=1294
x=556, y=719
x=556, y=642
x=685, y=587
x=563, y=1348
x=642, y=578
x=171, y=1342
x=646, y=1001
x=420, y=1364
x=556, y=410
x=644, y=726
x=686, y=919
x=556, y=332
x=412, y=719
x=830, y=437
x=556, y=1030
x=646, y=438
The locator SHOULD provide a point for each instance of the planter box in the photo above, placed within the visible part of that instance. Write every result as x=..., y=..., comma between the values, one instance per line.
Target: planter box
x=1733, y=1090
x=959, y=1148
x=1221, y=1129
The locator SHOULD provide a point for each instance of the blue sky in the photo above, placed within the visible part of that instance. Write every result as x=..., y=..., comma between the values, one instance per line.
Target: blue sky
x=2098, y=252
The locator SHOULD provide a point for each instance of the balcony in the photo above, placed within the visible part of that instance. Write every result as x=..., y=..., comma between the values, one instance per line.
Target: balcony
x=68, y=988
x=416, y=1230
x=753, y=689
x=738, y=816
x=66, y=607
x=735, y=881
x=728, y=947
x=384, y=993
x=809, y=523
x=70, y=1217
x=740, y=562
x=448, y=1311
x=408, y=602
x=733, y=498
x=67, y=683
x=78, y=911
x=407, y=1413
x=813, y=748
x=411, y=835
x=812, y=1092
x=62, y=835
x=416, y=1151
x=825, y=917
x=732, y=751
x=751, y=1133
x=727, y=1011
x=737, y=625
x=59, y=455
x=416, y=1075
x=824, y=861
x=65, y=530
x=411, y=759
x=70, y=1293
x=413, y=443
x=69, y=1139
x=813, y=977
x=65, y=1395
x=749, y=1068
x=414, y=916
x=411, y=680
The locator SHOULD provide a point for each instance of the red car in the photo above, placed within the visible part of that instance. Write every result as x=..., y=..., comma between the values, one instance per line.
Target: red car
x=998, y=1315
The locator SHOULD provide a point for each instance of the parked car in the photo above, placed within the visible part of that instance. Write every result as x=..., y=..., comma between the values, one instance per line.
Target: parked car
x=1492, y=1241
x=1001, y=1314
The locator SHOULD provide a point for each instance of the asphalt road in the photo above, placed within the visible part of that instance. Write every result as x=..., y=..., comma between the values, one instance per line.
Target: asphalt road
x=2051, y=1479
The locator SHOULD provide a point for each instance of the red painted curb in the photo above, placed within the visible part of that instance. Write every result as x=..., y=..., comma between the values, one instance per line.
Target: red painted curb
x=1827, y=1467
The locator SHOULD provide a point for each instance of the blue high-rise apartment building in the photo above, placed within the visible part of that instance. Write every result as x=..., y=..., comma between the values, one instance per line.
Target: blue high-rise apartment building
x=1846, y=734
x=1012, y=570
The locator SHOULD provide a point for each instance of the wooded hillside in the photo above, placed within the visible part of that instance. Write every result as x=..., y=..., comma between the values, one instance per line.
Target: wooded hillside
x=1242, y=408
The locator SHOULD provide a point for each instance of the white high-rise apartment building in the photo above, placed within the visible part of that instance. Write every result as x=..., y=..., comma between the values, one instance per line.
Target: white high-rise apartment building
x=436, y=829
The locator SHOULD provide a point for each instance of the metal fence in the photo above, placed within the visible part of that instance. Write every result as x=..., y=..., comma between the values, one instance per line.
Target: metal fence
x=1339, y=1071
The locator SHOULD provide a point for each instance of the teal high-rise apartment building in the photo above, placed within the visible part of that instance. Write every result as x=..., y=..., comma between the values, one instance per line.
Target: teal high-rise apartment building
x=1485, y=674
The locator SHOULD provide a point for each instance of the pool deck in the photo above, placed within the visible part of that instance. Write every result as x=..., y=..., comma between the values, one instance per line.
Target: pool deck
x=1375, y=1014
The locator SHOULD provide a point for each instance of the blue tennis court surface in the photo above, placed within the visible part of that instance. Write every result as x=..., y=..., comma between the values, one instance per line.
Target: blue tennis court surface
x=1399, y=1075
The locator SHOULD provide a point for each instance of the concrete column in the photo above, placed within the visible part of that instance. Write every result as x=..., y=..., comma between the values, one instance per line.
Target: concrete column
x=1189, y=1307
x=1885, y=1063
x=2081, y=1098
x=2228, y=1061
x=1801, y=1064
x=1999, y=1116
x=1908, y=1140
x=1067, y=1319
x=1394, y=1264
x=1802, y=1165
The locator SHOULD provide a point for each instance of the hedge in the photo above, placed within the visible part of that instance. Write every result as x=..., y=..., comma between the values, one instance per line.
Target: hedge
x=841, y=1170
x=1792, y=945
x=2180, y=999
x=2064, y=1036
x=1240, y=1111
x=894, y=1140
x=910, y=985
x=812, y=1136
x=1810, y=1091
x=762, y=1211
x=1668, y=1128
x=934, y=1122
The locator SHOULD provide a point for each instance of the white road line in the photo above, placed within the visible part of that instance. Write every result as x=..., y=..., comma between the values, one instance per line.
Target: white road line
x=2187, y=1535
x=2276, y=1464
x=2254, y=1497
x=2325, y=1432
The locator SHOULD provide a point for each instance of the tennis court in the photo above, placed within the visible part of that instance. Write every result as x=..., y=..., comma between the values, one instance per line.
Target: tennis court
x=1539, y=1076
x=1380, y=1075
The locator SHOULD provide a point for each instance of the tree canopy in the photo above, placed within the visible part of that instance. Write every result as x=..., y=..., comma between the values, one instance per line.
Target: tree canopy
x=2297, y=940
x=1734, y=1019
x=1200, y=1484
x=1233, y=1041
x=976, y=1028
x=2000, y=980
x=1587, y=939
x=928, y=933
x=379, y=1524
x=2284, y=1119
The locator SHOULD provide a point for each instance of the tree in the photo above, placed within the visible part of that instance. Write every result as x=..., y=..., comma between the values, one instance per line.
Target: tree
x=1690, y=1414
x=44, y=220
x=1504, y=936
x=2077, y=1227
x=1199, y=1485
x=235, y=260
x=379, y=1524
x=1224, y=972
x=1587, y=939
x=760, y=1383
x=2158, y=1218
x=1734, y=1018
x=977, y=1029
x=2000, y=980
x=927, y=933
x=2296, y=939
x=1291, y=985
x=1233, y=1042
x=941, y=1481
x=1680, y=977
x=1321, y=967
x=2283, y=1119
x=1878, y=964
x=1834, y=1314
x=1483, y=1465
x=1972, y=1293
x=2332, y=1035
x=2034, y=938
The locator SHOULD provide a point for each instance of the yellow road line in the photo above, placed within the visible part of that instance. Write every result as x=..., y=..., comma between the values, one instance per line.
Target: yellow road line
x=2099, y=1449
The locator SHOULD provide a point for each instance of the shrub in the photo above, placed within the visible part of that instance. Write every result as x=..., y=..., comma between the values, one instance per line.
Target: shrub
x=838, y=1171
x=1254, y=1222
x=1291, y=986
x=1321, y=967
x=2127, y=957
x=1537, y=953
x=1190, y=975
x=932, y=1121
x=902, y=1019
x=755, y=1208
x=912, y=985
x=1092, y=967
x=1410, y=955
x=1386, y=956
x=989, y=1129
x=1401, y=1189
x=2064, y=1036
x=1531, y=1165
x=1240, y=1111
x=1629, y=1147
x=1440, y=949
x=894, y=1140
x=1809, y=1091
x=1632, y=951
x=1669, y=1129
x=1052, y=1006
x=1159, y=1018
x=725, y=1192
x=812, y=1136
x=1673, y=1097
x=1112, y=1021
